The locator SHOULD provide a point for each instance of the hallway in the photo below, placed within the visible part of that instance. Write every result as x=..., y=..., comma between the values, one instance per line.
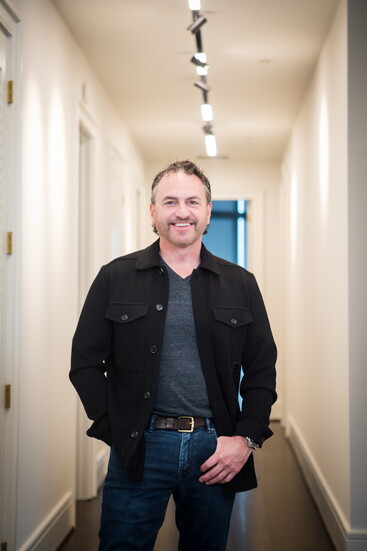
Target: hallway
x=96, y=97
x=280, y=515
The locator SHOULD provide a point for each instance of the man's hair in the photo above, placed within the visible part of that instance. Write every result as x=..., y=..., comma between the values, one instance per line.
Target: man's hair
x=189, y=168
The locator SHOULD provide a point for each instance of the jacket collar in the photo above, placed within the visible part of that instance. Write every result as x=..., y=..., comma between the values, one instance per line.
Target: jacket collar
x=149, y=257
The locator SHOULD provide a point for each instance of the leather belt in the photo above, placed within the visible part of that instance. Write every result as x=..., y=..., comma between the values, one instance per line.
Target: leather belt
x=184, y=423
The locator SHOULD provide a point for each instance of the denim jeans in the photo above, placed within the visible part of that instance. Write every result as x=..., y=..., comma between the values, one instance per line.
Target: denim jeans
x=133, y=511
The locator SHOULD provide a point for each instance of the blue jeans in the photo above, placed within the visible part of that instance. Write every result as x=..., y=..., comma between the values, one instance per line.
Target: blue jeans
x=133, y=511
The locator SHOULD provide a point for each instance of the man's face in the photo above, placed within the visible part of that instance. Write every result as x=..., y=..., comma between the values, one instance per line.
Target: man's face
x=180, y=212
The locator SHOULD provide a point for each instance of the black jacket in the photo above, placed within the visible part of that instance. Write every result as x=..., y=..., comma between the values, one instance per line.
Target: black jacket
x=118, y=340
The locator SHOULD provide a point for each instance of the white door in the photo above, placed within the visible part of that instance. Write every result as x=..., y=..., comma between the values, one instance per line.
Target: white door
x=9, y=288
x=91, y=454
x=3, y=227
x=87, y=485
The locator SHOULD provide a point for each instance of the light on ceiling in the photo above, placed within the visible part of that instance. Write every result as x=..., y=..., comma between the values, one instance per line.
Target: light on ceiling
x=196, y=24
x=194, y=5
x=211, y=145
x=206, y=112
x=202, y=71
x=199, y=59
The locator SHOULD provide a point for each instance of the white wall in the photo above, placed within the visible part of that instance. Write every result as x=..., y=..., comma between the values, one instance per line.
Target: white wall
x=318, y=348
x=54, y=71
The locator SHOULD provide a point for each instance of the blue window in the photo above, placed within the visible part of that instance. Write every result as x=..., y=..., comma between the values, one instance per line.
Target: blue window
x=227, y=233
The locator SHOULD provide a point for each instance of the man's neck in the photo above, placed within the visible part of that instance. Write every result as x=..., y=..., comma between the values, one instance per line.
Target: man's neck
x=182, y=260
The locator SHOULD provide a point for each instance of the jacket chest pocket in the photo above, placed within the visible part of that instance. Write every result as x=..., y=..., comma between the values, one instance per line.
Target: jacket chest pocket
x=130, y=329
x=229, y=338
x=125, y=313
x=233, y=317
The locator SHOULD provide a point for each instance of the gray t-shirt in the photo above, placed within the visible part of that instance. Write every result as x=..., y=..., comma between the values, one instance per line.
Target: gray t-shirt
x=181, y=388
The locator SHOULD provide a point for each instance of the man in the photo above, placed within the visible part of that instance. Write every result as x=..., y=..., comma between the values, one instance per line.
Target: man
x=157, y=359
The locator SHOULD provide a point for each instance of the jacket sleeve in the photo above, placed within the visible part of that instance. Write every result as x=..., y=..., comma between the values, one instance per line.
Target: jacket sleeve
x=91, y=350
x=257, y=387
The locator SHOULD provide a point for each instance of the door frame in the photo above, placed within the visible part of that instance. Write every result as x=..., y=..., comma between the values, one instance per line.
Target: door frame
x=87, y=132
x=10, y=265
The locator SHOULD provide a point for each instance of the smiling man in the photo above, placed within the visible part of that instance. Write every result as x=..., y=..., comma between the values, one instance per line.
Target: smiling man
x=180, y=211
x=157, y=358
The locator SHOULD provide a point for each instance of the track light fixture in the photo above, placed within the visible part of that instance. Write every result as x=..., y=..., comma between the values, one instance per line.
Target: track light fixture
x=206, y=112
x=208, y=128
x=202, y=85
x=196, y=60
x=199, y=59
x=211, y=145
x=196, y=24
x=194, y=5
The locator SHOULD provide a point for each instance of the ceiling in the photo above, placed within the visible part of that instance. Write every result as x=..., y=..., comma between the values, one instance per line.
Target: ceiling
x=261, y=54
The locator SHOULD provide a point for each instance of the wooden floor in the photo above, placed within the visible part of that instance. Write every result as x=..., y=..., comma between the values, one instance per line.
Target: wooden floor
x=280, y=515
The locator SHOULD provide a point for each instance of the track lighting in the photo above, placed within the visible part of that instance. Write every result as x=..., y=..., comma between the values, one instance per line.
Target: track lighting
x=194, y=5
x=196, y=24
x=206, y=112
x=208, y=128
x=211, y=145
x=199, y=59
x=202, y=85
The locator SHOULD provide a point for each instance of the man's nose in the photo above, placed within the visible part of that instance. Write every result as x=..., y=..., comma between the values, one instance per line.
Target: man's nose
x=182, y=210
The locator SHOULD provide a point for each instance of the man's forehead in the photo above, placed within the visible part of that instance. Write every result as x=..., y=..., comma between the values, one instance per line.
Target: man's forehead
x=181, y=180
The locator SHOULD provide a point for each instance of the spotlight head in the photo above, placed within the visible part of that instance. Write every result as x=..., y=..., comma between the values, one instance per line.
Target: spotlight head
x=206, y=112
x=208, y=128
x=202, y=85
x=194, y=5
x=196, y=24
x=210, y=145
x=197, y=62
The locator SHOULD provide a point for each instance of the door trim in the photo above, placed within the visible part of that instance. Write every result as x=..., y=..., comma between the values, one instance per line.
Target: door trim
x=10, y=358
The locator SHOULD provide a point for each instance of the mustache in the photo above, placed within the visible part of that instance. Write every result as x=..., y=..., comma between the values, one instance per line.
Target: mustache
x=183, y=221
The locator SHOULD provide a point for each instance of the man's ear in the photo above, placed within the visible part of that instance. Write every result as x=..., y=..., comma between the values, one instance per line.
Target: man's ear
x=210, y=205
x=152, y=212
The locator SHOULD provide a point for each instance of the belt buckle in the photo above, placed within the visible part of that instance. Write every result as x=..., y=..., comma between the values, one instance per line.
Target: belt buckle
x=192, y=423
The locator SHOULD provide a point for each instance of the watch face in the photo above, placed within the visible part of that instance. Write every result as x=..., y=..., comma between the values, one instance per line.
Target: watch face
x=251, y=443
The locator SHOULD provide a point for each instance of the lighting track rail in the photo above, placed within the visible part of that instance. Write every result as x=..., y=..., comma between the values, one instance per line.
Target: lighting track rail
x=199, y=59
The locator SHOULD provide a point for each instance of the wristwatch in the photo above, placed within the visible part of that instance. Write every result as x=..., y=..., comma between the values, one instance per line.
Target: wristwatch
x=251, y=443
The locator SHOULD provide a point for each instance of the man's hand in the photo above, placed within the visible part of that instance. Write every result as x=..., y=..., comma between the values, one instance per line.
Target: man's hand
x=228, y=459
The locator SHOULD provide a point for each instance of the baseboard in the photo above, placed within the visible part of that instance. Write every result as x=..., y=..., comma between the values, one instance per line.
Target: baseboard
x=51, y=532
x=343, y=538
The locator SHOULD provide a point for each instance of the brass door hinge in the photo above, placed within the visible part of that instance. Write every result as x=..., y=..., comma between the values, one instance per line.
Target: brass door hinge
x=10, y=91
x=9, y=242
x=7, y=396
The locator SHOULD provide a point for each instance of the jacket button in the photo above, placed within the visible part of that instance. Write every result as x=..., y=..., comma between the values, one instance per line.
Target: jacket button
x=234, y=321
x=147, y=394
x=124, y=317
x=134, y=434
x=153, y=349
x=159, y=307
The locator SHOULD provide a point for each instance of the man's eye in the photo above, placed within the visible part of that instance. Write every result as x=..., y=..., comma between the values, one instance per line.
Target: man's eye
x=193, y=202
